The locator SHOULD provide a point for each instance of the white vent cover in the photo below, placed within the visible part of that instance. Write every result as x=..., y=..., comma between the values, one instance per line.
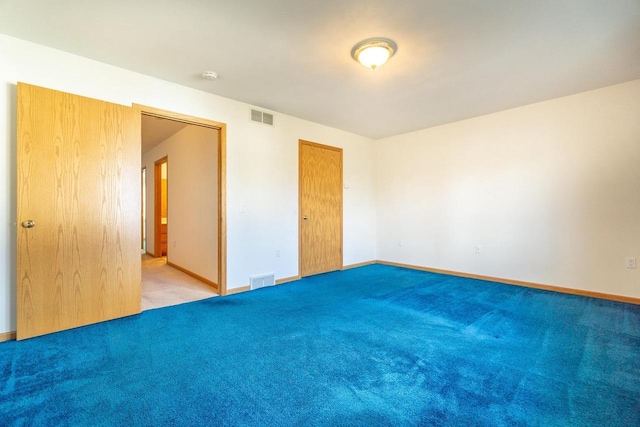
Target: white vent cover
x=262, y=280
x=261, y=117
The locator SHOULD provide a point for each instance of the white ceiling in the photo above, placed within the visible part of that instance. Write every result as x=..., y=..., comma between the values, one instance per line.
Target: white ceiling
x=456, y=58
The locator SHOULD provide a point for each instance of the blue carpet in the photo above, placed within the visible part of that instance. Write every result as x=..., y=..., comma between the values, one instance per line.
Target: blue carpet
x=376, y=345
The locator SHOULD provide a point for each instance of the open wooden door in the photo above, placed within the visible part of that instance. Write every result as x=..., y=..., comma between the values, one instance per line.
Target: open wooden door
x=320, y=183
x=78, y=211
x=161, y=207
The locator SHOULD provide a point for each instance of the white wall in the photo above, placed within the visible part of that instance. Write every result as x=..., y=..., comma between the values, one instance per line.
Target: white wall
x=192, y=240
x=262, y=164
x=551, y=192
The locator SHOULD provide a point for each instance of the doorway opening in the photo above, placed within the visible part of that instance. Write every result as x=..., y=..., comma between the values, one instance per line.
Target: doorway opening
x=185, y=206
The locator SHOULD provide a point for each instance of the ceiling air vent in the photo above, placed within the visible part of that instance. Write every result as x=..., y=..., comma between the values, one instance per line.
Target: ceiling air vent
x=261, y=117
x=267, y=119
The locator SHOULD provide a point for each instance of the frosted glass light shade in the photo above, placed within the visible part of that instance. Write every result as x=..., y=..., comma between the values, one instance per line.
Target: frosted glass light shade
x=373, y=57
x=373, y=53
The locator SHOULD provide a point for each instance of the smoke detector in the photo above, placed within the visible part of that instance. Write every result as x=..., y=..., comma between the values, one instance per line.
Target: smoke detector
x=210, y=75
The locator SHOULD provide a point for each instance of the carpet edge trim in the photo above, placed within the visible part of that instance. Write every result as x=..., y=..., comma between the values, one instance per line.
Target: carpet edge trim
x=360, y=264
x=559, y=289
x=7, y=336
x=238, y=290
x=287, y=279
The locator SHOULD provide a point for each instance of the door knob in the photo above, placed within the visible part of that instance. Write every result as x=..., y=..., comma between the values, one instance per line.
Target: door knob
x=305, y=218
x=28, y=224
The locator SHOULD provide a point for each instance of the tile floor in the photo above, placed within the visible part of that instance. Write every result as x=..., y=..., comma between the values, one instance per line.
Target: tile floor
x=163, y=285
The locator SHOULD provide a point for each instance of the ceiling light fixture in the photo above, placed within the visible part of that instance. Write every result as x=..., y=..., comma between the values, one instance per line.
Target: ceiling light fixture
x=374, y=52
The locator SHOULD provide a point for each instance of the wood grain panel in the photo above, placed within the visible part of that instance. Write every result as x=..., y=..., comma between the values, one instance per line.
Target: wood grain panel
x=78, y=180
x=320, y=184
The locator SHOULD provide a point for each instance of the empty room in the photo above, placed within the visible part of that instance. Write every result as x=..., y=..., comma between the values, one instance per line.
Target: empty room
x=418, y=213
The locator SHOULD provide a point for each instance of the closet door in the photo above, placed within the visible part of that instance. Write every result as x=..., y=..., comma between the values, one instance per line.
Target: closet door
x=320, y=183
x=78, y=201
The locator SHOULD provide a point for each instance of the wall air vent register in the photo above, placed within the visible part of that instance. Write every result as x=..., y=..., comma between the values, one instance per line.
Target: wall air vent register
x=261, y=117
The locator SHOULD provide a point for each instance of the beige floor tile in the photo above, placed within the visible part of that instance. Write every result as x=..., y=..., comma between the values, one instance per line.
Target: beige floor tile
x=163, y=285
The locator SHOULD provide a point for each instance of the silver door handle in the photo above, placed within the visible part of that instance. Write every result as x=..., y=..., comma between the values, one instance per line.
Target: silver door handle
x=305, y=218
x=28, y=224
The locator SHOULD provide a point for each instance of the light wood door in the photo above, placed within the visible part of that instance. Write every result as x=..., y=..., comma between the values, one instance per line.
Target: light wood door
x=161, y=207
x=320, y=184
x=78, y=162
